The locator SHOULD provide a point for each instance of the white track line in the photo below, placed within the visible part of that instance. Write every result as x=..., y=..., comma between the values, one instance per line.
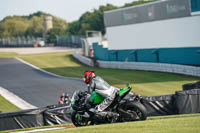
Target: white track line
x=40, y=130
x=31, y=65
x=17, y=101
x=37, y=67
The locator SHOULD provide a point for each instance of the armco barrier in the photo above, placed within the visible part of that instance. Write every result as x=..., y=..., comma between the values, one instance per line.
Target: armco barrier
x=22, y=119
x=159, y=67
x=83, y=59
x=50, y=115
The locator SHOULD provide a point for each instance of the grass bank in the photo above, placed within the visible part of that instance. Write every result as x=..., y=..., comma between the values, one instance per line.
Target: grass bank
x=143, y=82
x=6, y=106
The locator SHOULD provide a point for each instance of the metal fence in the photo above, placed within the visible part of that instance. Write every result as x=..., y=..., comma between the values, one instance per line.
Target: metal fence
x=28, y=41
x=69, y=41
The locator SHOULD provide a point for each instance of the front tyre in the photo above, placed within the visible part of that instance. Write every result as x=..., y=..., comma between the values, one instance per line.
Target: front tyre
x=78, y=120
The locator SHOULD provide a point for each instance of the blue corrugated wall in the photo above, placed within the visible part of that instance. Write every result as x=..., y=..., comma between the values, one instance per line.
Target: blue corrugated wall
x=195, y=5
x=180, y=55
x=100, y=53
x=188, y=56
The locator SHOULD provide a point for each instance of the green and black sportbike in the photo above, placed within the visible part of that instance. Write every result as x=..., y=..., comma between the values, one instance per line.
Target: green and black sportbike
x=121, y=109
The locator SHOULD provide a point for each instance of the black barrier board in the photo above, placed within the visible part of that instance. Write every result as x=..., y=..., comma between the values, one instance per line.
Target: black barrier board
x=57, y=114
x=187, y=101
x=21, y=119
x=191, y=86
x=159, y=105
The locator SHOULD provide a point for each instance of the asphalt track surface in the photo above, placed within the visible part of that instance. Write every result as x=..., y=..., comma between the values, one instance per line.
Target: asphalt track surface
x=35, y=86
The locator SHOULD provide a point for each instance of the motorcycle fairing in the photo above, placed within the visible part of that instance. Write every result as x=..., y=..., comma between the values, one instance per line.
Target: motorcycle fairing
x=96, y=98
x=122, y=91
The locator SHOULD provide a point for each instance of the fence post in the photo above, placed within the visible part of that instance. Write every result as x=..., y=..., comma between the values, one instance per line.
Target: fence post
x=156, y=52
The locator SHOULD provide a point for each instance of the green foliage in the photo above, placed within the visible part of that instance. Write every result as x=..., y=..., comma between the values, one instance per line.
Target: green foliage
x=13, y=26
x=90, y=21
x=36, y=27
x=52, y=33
x=74, y=28
x=33, y=24
x=134, y=3
x=38, y=14
x=59, y=28
x=60, y=24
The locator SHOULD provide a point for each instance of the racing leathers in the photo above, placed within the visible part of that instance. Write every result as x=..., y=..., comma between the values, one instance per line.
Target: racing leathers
x=101, y=87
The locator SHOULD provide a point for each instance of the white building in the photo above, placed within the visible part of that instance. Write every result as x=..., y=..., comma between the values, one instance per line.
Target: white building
x=162, y=24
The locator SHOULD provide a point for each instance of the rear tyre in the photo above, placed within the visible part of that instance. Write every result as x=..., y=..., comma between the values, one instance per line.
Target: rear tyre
x=137, y=111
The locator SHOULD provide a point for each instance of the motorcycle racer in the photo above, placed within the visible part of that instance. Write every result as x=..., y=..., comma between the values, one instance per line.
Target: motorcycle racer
x=100, y=86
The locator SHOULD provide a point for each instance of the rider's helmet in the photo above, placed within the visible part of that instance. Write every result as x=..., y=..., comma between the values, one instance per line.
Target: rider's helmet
x=88, y=76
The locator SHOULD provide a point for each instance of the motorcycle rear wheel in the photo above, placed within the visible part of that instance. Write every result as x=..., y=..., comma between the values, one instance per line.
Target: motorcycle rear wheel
x=137, y=111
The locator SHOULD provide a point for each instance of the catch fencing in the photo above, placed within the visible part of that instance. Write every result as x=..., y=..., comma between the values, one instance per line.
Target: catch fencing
x=23, y=41
x=69, y=41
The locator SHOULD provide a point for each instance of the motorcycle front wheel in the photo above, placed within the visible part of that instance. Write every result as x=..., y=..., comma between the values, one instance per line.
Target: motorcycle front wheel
x=78, y=120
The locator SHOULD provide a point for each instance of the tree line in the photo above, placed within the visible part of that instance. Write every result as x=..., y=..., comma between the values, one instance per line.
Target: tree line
x=33, y=24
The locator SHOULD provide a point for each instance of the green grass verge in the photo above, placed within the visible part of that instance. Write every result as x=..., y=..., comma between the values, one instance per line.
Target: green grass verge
x=188, y=124
x=6, y=106
x=8, y=54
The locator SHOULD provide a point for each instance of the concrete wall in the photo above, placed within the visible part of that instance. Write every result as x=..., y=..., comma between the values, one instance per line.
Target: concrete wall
x=171, y=33
x=82, y=59
x=159, y=67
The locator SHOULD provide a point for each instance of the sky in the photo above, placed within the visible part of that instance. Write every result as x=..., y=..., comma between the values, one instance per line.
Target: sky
x=68, y=10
